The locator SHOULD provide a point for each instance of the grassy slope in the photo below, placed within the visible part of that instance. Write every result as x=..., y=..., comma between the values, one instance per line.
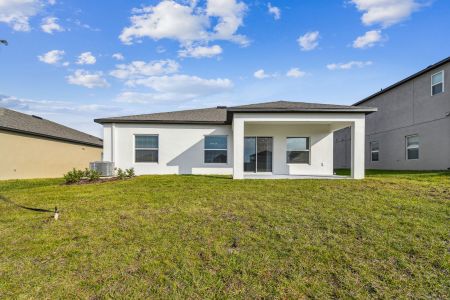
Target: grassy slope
x=205, y=236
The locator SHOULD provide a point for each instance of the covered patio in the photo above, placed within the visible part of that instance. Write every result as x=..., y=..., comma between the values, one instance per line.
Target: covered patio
x=293, y=145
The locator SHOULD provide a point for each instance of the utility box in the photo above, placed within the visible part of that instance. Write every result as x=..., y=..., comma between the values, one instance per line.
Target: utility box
x=105, y=168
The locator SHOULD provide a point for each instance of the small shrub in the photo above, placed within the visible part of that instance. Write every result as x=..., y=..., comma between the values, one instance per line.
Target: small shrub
x=121, y=174
x=93, y=175
x=73, y=176
x=130, y=172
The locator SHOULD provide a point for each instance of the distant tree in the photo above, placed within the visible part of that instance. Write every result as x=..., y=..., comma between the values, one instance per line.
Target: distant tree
x=4, y=42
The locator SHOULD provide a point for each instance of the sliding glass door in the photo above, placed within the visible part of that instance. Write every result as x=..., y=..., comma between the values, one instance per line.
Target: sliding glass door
x=258, y=154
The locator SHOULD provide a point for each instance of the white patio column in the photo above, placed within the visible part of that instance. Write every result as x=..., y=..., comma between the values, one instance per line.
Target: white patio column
x=238, y=148
x=357, y=149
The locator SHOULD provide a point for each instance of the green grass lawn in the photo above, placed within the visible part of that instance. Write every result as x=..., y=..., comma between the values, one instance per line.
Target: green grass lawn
x=211, y=237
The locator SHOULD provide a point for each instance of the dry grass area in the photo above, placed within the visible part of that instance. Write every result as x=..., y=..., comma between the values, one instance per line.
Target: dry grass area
x=211, y=237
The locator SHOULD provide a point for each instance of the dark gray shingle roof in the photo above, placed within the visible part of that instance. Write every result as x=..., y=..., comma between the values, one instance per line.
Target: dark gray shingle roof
x=11, y=120
x=221, y=115
x=193, y=116
x=296, y=107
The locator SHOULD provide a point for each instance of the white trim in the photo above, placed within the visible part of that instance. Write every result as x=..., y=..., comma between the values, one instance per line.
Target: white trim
x=413, y=147
x=443, y=81
x=204, y=149
x=134, y=149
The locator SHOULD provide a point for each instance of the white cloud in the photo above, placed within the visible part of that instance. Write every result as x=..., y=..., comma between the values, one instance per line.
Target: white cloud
x=72, y=114
x=174, y=88
x=52, y=57
x=385, y=12
x=50, y=24
x=118, y=56
x=17, y=13
x=140, y=69
x=183, y=84
x=348, y=65
x=187, y=23
x=86, y=58
x=87, y=79
x=145, y=98
x=369, y=39
x=309, y=41
x=261, y=74
x=295, y=73
x=275, y=11
x=200, y=51
x=231, y=16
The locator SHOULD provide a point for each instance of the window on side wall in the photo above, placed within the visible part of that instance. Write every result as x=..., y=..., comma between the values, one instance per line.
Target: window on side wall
x=146, y=148
x=298, y=150
x=216, y=149
x=374, y=151
x=412, y=147
x=437, y=83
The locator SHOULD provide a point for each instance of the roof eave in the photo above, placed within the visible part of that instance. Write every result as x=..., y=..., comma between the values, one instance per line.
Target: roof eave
x=110, y=121
x=312, y=110
x=52, y=137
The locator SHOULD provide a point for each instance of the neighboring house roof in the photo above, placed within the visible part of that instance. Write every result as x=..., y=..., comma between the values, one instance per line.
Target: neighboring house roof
x=221, y=114
x=415, y=75
x=11, y=120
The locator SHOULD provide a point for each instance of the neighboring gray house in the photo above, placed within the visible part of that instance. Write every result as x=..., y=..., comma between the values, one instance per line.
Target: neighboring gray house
x=411, y=130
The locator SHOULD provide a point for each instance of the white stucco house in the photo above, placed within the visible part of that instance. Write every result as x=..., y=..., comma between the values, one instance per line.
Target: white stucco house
x=276, y=138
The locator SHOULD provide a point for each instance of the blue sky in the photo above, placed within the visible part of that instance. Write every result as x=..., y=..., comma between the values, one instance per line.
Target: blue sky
x=72, y=61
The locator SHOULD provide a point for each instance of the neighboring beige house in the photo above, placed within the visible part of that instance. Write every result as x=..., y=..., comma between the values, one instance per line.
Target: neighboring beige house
x=32, y=147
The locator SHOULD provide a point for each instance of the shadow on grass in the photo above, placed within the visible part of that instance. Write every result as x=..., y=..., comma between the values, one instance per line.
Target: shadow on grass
x=3, y=198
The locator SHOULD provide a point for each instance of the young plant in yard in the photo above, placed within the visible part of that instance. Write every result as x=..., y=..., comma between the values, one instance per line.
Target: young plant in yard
x=130, y=172
x=74, y=176
x=93, y=175
x=121, y=174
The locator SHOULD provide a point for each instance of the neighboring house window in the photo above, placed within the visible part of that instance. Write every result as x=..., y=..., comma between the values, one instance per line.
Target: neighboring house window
x=412, y=147
x=298, y=150
x=437, y=83
x=146, y=148
x=374, y=151
x=216, y=149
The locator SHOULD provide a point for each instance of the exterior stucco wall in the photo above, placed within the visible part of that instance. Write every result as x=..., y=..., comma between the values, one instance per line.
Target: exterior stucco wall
x=25, y=156
x=321, y=152
x=181, y=148
x=405, y=110
x=341, y=149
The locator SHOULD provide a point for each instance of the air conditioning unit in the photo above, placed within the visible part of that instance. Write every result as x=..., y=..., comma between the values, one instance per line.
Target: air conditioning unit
x=105, y=168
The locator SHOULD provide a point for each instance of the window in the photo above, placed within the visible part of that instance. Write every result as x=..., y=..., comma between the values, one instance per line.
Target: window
x=374, y=151
x=297, y=150
x=146, y=148
x=216, y=149
x=412, y=147
x=437, y=83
